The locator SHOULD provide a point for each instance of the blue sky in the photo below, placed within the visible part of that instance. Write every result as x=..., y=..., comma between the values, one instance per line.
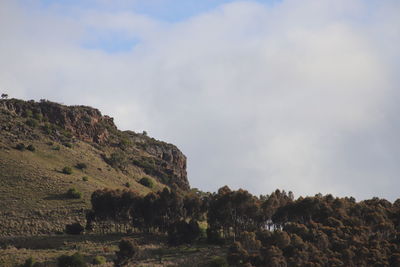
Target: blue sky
x=166, y=10
x=171, y=11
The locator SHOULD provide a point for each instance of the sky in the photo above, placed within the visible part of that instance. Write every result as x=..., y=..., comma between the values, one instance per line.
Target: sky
x=296, y=95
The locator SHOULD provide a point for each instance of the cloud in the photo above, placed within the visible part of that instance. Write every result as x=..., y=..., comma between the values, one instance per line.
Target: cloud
x=297, y=95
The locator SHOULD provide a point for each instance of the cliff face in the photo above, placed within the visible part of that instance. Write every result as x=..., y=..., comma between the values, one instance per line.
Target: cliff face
x=171, y=161
x=163, y=161
x=85, y=123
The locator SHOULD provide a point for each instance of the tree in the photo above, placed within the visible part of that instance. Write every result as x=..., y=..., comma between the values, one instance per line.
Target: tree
x=74, y=229
x=127, y=250
x=4, y=96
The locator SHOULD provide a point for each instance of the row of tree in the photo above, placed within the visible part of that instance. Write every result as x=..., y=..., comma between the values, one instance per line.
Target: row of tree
x=271, y=230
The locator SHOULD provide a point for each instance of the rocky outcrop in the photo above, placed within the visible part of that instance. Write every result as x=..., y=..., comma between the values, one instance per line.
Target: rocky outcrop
x=171, y=161
x=85, y=123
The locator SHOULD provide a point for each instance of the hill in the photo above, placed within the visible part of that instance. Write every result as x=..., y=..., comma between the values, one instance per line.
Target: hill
x=47, y=149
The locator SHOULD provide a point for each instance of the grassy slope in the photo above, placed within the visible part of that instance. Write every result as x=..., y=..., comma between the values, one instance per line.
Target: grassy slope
x=152, y=250
x=32, y=186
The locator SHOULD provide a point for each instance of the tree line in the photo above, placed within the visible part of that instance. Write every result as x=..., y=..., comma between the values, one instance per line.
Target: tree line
x=269, y=230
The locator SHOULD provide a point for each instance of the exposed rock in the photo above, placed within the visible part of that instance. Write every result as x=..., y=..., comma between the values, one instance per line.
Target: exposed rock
x=85, y=123
x=172, y=162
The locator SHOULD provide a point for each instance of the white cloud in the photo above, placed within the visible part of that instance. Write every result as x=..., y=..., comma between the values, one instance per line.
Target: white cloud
x=298, y=95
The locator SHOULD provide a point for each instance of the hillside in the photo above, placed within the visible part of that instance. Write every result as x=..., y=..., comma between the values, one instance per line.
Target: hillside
x=39, y=139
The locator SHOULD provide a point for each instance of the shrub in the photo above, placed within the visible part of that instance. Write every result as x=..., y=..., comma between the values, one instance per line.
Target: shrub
x=73, y=193
x=57, y=148
x=38, y=116
x=128, y=184
x=32, y=122
x=31, y=148
x=85, y=178
x=117, y=160
x=20, y=147
x=146, y=182
x=30, y=262
x=127, y=250
x=69, y=145
x=27, y=113
x=81, y=166
x=99, y=260
x=74, y=229
x=48, y=128
x=75, y=260
x=218, y=262
x=67, y=170
x=124, y=143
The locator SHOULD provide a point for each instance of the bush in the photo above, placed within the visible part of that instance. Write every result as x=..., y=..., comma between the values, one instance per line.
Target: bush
x=128, y=184
x=20, y=147
x=99, y=260
x=27, y=113
x=85, y=178
x=69, y=145
x=31, y=148
x=146, y=182
x=127, y=250
x=67, y=170
x=117, y=160
x=74, y=229
x=57, y=148
x=48, y=128
x=30, y=262
x=38, y=116
x=75, y=260
x=73, y=193
x=218, y=262
x=81, y=166
x=32, y=122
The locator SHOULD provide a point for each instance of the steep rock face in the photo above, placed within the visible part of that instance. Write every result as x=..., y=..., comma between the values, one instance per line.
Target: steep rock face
x=172, y=162
x=85, y=123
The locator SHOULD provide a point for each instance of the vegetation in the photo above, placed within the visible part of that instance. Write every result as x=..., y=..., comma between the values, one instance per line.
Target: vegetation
x=75, y=260
x=146, y=182
x=271, y=230
x=74, y=229
x=128, y=248
x=30, y=262
x=73, y=193
x=172, y=224
x=67, y=170
x=20, y=147
x=81, y=166
x=218, y=262
x=67, y=144
x=32, y=122
x=98, y=260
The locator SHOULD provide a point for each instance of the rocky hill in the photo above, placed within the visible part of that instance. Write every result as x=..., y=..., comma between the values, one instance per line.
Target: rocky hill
x=47, y=149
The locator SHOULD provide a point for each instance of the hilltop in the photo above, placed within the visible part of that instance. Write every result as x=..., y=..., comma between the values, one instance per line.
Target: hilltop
x=41, y=142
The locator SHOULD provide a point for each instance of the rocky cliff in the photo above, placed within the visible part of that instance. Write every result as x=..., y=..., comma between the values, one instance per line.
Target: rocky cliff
x=160, y=160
